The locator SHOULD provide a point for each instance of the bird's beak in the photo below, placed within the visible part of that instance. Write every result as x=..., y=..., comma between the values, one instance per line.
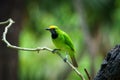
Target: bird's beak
x=47, y=29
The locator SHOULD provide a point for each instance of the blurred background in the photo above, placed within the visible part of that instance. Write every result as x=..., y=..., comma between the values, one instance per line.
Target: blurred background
x=93, y=25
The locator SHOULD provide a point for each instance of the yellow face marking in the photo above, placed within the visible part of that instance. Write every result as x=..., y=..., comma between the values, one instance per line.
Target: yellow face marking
x=52, y=27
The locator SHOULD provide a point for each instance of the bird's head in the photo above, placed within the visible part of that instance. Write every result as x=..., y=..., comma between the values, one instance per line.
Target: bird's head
x=54, y=30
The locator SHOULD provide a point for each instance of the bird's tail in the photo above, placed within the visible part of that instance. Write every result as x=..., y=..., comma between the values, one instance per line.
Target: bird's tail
x=74, y=62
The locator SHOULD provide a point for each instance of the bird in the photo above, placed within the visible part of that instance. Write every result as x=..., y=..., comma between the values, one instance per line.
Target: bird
x=63, y=42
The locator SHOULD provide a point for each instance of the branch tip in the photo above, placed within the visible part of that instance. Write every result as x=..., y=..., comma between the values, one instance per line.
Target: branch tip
x=11, y=21
x=88, y=75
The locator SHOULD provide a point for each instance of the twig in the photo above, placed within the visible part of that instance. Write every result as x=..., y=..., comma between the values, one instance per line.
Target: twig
x=89, y=78
x=75, y=69
x=34, y=49
x=4, y=22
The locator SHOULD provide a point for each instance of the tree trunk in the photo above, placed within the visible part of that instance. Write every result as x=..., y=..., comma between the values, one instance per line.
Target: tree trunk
x=110, y=68
x=9, y=57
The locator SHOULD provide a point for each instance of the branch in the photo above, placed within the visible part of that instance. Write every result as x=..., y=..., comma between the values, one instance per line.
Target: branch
x=89, y=78
x=34, y=49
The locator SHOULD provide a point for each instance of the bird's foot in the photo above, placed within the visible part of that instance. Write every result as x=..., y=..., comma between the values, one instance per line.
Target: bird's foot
x=65, y=59
x=55, y=50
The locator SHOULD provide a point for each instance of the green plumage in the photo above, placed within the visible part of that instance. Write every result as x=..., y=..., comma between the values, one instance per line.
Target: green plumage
x=63, y=42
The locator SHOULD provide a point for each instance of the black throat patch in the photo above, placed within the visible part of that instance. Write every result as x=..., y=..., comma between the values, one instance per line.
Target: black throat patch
x=54, y=34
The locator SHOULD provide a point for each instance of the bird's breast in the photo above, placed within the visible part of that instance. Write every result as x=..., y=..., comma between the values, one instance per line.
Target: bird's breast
x=60, y=43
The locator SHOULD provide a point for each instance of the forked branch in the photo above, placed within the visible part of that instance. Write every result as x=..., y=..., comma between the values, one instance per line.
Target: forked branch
x=10, y=21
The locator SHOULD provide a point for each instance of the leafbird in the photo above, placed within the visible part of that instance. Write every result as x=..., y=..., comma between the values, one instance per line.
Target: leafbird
x=63, y=42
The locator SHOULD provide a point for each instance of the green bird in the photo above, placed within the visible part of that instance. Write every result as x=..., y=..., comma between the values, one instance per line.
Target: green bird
x=62, y=41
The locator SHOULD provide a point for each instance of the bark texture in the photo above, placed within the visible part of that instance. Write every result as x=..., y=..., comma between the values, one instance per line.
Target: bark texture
x=110, y=68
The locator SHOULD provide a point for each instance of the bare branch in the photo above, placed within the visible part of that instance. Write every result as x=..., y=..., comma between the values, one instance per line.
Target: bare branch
x=10, y=21
x=75, y=69
x=89, y=78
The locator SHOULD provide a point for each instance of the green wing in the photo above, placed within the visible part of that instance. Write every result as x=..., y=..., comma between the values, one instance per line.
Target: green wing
x=68, y=41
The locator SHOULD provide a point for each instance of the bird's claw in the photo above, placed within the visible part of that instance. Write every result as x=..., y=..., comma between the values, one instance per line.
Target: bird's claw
x=55, y=50
x=65, y=59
